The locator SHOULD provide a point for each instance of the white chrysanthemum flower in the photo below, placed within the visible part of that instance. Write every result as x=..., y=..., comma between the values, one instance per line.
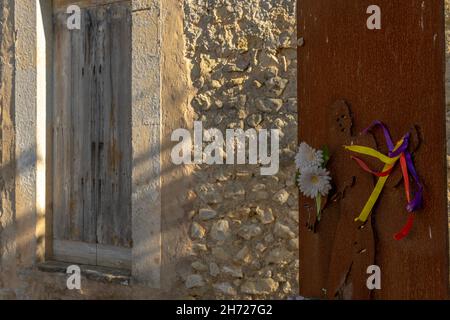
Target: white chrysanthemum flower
x=308, y=157
x=313, y=181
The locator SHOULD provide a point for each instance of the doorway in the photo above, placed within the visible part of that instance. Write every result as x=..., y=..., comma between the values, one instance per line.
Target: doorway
x=91, y=136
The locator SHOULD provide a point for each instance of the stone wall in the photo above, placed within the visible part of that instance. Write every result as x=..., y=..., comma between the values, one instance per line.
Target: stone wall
x=244, y=226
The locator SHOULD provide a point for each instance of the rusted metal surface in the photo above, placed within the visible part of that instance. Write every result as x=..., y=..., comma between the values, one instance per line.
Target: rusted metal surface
x=348, y=77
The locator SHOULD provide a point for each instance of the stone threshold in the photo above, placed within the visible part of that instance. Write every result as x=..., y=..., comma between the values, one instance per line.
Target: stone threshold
x=95, y=273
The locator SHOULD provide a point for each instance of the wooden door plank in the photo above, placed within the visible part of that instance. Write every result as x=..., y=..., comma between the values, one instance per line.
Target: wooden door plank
x=119, y=152
x=74, y=215
x=114, y=218
x=75, y=251
x=92, y=254
x=62, y=95
x=395, y=75
x=88, y=151
x=122, y=151
x=103, y=105
x=96, y=111
x=76, y=136
x=113, y=256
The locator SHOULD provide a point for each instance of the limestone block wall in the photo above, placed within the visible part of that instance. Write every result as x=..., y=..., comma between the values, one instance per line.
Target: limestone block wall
x=244, y=226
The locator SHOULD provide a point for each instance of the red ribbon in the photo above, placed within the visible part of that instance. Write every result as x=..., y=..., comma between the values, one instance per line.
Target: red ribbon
x=366, y=168
x=406, y=229
x=407, y=167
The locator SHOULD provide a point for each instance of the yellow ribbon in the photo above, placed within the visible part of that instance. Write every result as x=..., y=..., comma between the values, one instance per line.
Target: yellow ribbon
x=389, y=163
x=373, y=153
x=364, y=215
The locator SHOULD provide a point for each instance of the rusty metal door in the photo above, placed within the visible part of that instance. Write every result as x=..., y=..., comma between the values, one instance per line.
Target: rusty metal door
x=349, y=76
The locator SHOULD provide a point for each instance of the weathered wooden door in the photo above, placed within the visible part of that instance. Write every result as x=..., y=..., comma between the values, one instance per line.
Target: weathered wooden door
x=91, y=182
x=349, y=76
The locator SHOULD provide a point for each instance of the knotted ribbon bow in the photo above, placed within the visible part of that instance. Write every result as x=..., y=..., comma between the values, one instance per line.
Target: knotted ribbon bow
x=397, y=153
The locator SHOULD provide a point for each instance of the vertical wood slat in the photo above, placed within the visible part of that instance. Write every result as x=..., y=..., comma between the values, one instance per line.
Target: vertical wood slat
x=92, y=157
x=87, y=179
x=61, y=94
x=114, y=227
x=104, y=106
x=123, y=161
x=76, y=137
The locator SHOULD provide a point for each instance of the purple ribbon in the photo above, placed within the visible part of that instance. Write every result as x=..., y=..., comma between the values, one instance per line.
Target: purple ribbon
x=387, y=135
x=417, y=201
x=402, y=148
